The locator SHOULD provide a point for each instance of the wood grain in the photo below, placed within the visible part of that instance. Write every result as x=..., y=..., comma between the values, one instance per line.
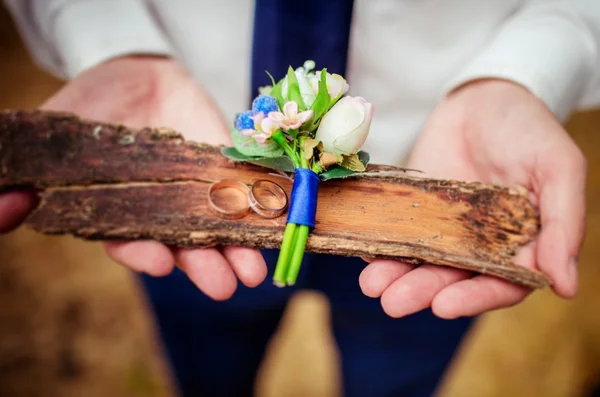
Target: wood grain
x=104, y=181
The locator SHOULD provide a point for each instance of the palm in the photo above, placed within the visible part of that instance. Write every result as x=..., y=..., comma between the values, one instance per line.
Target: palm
x=141, y=94
x=446, y=158
x=472, y=150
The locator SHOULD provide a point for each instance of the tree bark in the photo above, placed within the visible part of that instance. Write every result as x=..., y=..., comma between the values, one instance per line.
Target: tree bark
x=109, y=182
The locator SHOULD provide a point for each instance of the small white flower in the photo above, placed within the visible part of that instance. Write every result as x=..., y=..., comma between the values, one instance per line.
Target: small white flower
x=265, y=90
x=290, y=119
x=309, y=65
x=264, y=127
x=306, y=92
x=336, y=84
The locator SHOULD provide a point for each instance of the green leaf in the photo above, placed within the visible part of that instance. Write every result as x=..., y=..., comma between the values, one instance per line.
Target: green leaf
x=233, y=154
x=271, y=77
x=338, y=172
x=247, y=146
x=276, y=91
x=334, y=101
x=293, y=91
x=321, y=104
x=281, y=163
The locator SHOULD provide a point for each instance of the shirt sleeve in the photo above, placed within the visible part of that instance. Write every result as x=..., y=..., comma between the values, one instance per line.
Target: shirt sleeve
x=551, y=47
x=67, y=37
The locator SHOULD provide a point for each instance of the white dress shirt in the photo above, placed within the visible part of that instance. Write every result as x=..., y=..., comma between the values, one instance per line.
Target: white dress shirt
x=404, y=54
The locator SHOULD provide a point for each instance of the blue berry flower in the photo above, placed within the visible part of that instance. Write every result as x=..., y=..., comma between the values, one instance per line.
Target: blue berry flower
x=264, y=104
x=244, y=121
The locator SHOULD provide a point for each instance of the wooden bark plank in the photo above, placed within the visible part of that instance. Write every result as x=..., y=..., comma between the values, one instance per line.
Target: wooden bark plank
x=103, y=181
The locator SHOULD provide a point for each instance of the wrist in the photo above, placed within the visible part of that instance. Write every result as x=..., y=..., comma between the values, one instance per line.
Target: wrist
x=138, y=58
x=139, y=68
x=491, y=85
x=495, y=93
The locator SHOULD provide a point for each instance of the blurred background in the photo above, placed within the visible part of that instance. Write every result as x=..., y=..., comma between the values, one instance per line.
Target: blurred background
x=72, y=323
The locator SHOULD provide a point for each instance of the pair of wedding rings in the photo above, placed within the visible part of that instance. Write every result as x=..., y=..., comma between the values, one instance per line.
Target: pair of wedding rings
x=266, y=198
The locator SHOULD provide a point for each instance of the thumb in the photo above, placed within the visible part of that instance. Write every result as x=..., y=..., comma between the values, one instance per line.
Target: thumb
x=561, y=180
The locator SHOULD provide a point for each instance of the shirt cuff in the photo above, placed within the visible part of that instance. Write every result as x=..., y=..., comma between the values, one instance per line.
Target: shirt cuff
x=86, y=33
x=549, y=54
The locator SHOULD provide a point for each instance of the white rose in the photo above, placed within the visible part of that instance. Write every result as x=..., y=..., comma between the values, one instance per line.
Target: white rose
x=336, y=84
x=344, y=128
x=306, y=92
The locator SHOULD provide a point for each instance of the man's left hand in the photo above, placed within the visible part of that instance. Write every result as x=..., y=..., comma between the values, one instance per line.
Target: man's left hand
x=497, y=132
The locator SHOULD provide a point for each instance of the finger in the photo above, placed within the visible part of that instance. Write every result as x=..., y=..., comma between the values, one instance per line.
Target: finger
x=562, y=205
x=379, y=275
x=209, y=270
x=14, y=207
x=248, y=264
x=149, y=257
x=415, y=291
x=475, y=296
x=482, y=293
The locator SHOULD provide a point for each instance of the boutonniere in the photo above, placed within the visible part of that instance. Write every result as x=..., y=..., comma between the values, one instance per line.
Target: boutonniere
x=303, y=124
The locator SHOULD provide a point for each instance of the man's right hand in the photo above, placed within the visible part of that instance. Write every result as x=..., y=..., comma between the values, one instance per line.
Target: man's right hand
x=155, y=92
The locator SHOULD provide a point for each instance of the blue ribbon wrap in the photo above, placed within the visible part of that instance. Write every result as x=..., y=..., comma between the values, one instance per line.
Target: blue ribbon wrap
x=303, y=202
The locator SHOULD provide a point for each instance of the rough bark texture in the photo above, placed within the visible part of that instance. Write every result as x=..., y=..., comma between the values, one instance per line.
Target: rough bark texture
x=103, y=181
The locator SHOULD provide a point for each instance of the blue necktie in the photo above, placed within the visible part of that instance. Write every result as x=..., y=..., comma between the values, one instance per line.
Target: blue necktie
x=287, y=33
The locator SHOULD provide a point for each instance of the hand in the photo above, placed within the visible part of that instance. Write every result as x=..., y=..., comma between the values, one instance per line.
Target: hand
x=498, y=132
x=149, y=91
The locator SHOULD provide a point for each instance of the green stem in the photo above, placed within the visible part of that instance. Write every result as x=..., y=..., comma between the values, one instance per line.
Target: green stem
x=295, y=236
x=297, y=254
x=301, y=232
x=316, y=168
x=303, y=160
x=283, y=261
x=281, y=141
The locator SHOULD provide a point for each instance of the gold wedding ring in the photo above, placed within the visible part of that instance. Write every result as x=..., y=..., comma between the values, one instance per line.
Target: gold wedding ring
x=271, y=206
x=268, y=199
x=230, y=209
